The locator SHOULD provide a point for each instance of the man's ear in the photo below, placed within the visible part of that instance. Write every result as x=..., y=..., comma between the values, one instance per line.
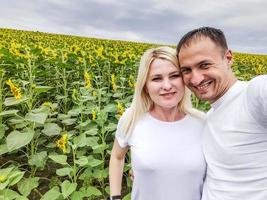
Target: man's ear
x=229, y=57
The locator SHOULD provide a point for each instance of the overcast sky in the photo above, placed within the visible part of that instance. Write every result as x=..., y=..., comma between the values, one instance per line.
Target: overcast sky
x=155, y=21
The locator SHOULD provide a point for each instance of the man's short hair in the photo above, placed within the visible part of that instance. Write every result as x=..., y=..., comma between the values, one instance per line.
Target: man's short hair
x=216, y=35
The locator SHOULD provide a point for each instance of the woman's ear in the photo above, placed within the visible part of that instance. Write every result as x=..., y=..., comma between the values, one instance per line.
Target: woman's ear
x=145, y=89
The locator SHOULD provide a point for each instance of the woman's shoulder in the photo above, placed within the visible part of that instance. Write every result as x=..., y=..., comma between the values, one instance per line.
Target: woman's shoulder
x=124, y=115
x=198, y=115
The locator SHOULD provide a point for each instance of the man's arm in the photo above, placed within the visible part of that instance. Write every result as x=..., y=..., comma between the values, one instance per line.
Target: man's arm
x=257, y=99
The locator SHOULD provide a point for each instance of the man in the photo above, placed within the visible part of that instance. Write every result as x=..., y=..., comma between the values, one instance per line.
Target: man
x=235, y=135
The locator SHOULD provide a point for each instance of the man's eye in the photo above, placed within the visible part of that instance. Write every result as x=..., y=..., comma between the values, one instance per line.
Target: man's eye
x=205, y=65
x=185, y=70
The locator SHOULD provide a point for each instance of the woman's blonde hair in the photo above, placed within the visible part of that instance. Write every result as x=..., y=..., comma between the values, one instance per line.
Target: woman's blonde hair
x=142, y=102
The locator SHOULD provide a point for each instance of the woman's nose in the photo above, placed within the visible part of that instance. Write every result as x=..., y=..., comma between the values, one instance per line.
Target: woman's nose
x=167, y=84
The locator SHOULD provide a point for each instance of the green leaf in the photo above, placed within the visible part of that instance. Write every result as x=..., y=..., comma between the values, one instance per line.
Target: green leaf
x=5, y=175
x=67, y=188
x=69, y=121
x=94, y=162
x=41, y=109
x=51, y=129
x=83, y=125
x=3, y=149
x=63, y=116
x=25, y=187
x=8, y=112
x=117, y=95
x=13, y=101
x=41, y=88
x=91, y=131
x=16, y=120
x=111, y=108
x=127, y=197
x=107, y=189
x=83, y=160
x=4, y=185
x=59, y=97
x=92, y=141
x=6, y=171
x=61, y=159
x=64, y=171
x=74, y=112
x=16, y=139
x=38, y=159
x=80, y=141
x=36, y=117
x=52, y=194
x=22, y=198
x=111, y=127
x=100, y=174
x=102, y=117
x=7, y=194
x=77, y=195
x=2, y=131
x=99, y=148
x=87, y=174
x=15, y=177
x=92, y=191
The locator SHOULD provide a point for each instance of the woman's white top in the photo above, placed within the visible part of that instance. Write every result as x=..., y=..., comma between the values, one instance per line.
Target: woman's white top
x=166, y=157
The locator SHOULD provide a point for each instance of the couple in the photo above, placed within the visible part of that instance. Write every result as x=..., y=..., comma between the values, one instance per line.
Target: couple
x=179, y=153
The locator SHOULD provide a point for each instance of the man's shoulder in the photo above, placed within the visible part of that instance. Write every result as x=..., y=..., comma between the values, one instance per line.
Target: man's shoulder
x=257, y=81
x=257, y=87
x=257, y=99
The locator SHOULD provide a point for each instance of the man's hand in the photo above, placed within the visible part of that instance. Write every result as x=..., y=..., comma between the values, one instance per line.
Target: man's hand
x=131, y=175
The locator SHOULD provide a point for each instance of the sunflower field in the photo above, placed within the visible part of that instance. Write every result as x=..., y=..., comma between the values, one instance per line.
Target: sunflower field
x=60, y=100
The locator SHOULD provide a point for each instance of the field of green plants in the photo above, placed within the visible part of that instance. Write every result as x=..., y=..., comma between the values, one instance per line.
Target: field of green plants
x=60, y=100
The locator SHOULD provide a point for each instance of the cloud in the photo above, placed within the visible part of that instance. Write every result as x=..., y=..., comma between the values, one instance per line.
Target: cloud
x=153, y=21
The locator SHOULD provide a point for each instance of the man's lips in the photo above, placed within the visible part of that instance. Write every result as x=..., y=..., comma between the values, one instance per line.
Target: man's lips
x=203, y=86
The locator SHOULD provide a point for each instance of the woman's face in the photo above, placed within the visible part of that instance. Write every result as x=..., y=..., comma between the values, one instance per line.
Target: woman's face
x=164, y=84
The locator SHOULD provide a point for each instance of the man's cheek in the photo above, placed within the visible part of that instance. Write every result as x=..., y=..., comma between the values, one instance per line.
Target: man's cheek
x=186, y=80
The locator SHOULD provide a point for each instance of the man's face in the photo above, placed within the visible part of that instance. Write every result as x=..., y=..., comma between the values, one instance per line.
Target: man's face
x=206, y=69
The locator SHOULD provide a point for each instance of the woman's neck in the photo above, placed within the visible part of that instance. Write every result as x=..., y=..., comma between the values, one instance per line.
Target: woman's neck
x=168, y=115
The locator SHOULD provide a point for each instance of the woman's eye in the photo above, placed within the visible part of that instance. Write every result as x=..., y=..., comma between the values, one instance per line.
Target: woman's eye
x=156, y=79
x=175, y=76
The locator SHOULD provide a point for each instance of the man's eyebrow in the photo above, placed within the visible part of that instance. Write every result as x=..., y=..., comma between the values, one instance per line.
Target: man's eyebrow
x=202, y=62
x=184, y=67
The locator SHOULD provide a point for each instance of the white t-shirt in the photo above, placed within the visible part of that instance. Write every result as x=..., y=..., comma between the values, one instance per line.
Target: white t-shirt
x=167, y=158
x=235, y=143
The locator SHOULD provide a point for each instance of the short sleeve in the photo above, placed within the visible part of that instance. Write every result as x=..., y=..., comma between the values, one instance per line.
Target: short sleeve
x=120, y=135
x=257, y=99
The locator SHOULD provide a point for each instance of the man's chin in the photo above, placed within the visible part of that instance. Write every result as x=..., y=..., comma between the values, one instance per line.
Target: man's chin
x=207, y=95
x=203, y=97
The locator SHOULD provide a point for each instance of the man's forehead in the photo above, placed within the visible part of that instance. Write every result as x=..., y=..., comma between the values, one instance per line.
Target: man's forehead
x=194, y=40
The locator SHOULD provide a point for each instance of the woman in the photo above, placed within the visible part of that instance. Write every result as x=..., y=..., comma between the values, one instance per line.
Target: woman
x=163, y=132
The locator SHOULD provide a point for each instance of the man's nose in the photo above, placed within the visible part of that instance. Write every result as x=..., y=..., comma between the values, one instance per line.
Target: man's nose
x=196, y=78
